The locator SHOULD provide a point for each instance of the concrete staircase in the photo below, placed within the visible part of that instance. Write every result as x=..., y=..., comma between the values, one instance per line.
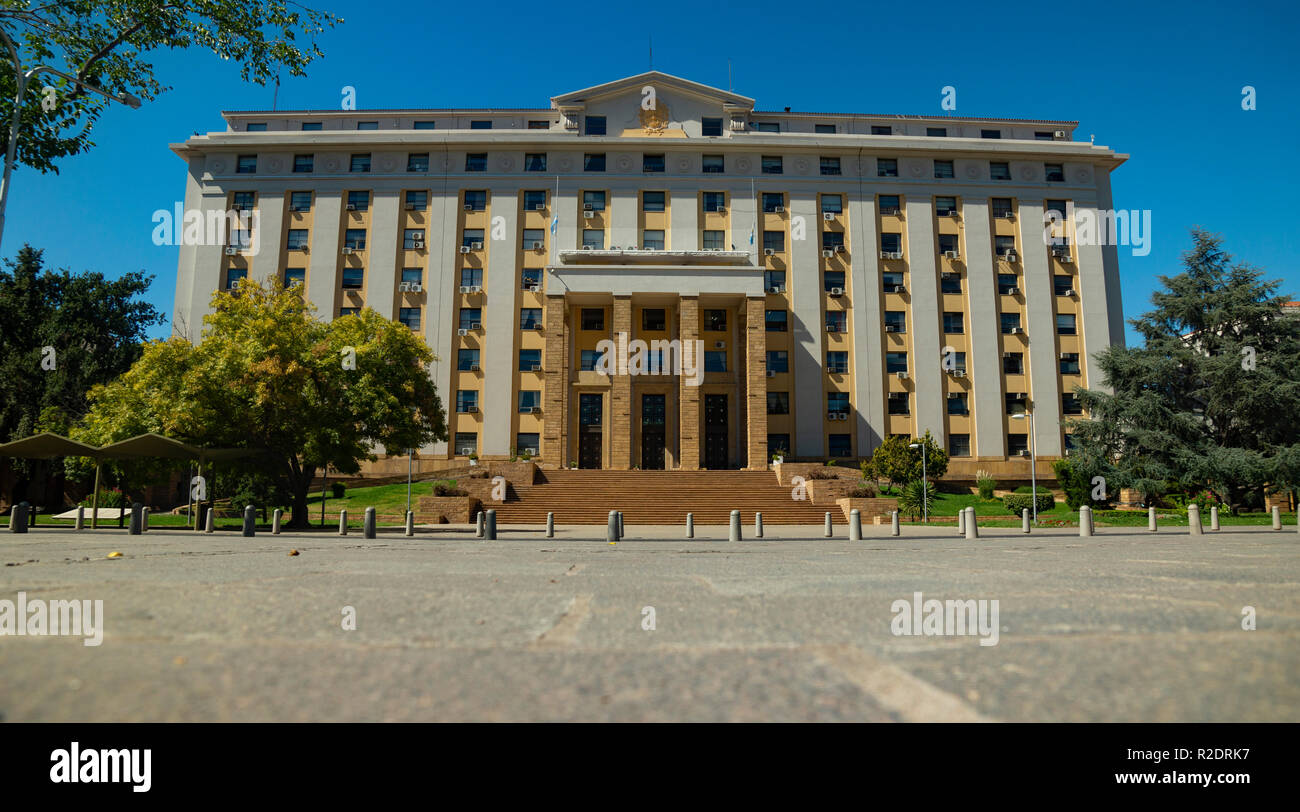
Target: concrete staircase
x=658, y=497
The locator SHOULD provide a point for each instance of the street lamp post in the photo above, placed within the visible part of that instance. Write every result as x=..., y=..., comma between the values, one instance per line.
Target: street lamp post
x=925, y=484
x=1033, y=460
x=21, y=79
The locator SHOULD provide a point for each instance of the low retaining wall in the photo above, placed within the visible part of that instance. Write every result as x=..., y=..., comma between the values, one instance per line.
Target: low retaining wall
x=881, y=506
x=446, y=509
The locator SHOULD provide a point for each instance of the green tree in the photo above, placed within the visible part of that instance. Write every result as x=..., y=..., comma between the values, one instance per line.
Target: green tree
x=1207, y=402
x=104, y=42
x=268, y=375
x=895, y=461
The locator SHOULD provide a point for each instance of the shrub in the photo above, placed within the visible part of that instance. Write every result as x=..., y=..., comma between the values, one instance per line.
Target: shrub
x=107, y=499
x=1017, y=502
x=478, y=473
x=985, y=482
x=338, y=489
x=447, y=487
x=864, y=490
x=916, y=499
x=821, y=473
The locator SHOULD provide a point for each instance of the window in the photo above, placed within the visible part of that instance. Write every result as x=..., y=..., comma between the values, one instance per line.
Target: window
x=467, y=400
x=353, y=278
x=711, y=127
x=1044, y=135
x=593, y=318
x=772, y=201
x=593, y=201
x=417, y=200
x=837, y=362
x=413, y=275
x=950, y=283
x=958, y=445
x=411, y=236
x=476, y=199
x=480, y=125
x=234, y=275
x=778, y=403
x=535, y=162
x=472, y=238
x=243, y=200
x=417, y=162
x=954, y=323
x=534, y=199
x=348, y=311
x=1002, y=207
x=531, y=278
x=297, y=239
x=311, y=126
x=824, y=129
x=1017, y=444
x=778, y=361
x=588, y=359
x=1055, y=173
x=533, y=236
x=1057, y=206
x=1065, y=324
x=936, y=132
x=469, y=316
x=832, y=280
x=426, y=125
x=1009, y=322
x=529, y=359
x=367, y=125
x=959, y=361
x=897, y=319
x=990, y=133
x=715, y=201
x=712, y=240
x=776, y=321
x=358, y=201
x=300, y=201
x=834, y=204
x=890, y=204
x=360, y=163
x=778, y=444
x=837, y=402
x=899, y=403
x=715, y=321
x=476, y=162
x=410, y=316
x=886, y=167
x=772, y=165
x=1062, y=285
x=836, y=321
x=654, y=319
x=714, y=163
x=715, y=361
x=355, y=238
x=594, y=125
x=1069, y=363
x=652, y=239
x=947, y=242
x=774, y=281
x=246, y=164
x=893, y=281
x=895, y=362
x=652, y=201
x=527, y=442
x=774, y=240
x=840, y=445
x=881, y=129
x=767, y=127
x=593, y=239
x=943, y=169
x=891, y=242
x=958, y=403
x=944, y=206
x=1016, y=403
x=1013, y=363
x=830, y=166
x=652, y=163
x=304, y=163
x=466, y=442
x=593, y=162
x=538, y=124
x=1070, y=404
x=999, y=170
x=528, y=400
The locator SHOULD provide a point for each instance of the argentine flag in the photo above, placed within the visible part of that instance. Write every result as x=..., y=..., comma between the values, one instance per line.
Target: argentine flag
x=751, y=236
x=555, y=224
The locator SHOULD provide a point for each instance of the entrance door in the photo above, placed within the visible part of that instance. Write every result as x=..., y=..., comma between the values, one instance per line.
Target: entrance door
x=589, y=431
x=715, y=431
x=652, y=432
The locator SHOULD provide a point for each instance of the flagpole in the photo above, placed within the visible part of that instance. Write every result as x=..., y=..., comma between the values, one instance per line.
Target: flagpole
x=753, y=228
x=555, y=220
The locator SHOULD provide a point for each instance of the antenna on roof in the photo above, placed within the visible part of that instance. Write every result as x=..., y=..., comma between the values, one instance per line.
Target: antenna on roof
x=651, y=40
x=730, y=87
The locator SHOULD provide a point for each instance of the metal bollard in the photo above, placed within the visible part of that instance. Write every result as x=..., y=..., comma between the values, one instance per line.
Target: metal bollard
x=550, y=525
x=410, y=523
x=1214, y=517
x=855, y=525
x=481, y=522
x=491, y=528
x=210, y=521
x=1151, y=519
x=894, y=527
x=620, y=525
x=144, y=520
x=277, y=516
x=734, y=535
x=81, y=518
x=1085, y=521
x=961, y=522
x=250, y=521
x=18, y=518
x=611, y=528
x=343, y=522
x=136, y=516
x=1024, y=520
x=368, y=523
x=830, y=531
x=1277, y=518
x=972, y=527
x=690, y=525
x=758, y=525
x=1194, y=520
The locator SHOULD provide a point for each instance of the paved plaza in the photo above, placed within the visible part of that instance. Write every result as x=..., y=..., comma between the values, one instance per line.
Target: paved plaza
x=1124, y=626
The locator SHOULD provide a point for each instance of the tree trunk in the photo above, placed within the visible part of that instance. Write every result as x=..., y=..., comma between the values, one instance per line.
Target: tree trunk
x=300, y=478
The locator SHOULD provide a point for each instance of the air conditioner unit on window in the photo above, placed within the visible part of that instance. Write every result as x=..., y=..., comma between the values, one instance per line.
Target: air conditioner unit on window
x=902, y=376
x=416, y=287
x=538, y=326
x=347, y=249
x=588, y=214
x=896, y=255
x=471, y=409
x=1065, y=259
x=477, y=325
x=898, y=289
x=896, y=211
x=1013, y=291
x=719, y=345
x=403, y=287
x=537, y=245
x=465, y=452
x=951, y=254
x=588, y=248
x=891, y=328
x=1059, y=134
x=231, y=251
x=952, y=213
x=771, y=373
x=775, y=289
x=417, y=244
x=474, y=367
x=767, y=252
x=469, y=207
x=410, y=207
x=1010, y=256
x=535, y=410
x=1062, y=355
x=837, y=291
x=537, y=368
x=959, y=373
x=476, y=289
x=532, y=288
x=1071, y=292
x=587, y=206
x=462, y=332
x=464, y=249
x=778, y=209
x=1008, y=215
x=1015, y=331
x=827, y=253
x=477, y=246
x=465, y=288
x=839, y=249
x=352, y=207
x=827, y=215
x=539, y=207
x=1024, y=452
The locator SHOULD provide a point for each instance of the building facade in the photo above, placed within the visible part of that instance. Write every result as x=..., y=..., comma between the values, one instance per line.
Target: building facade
x=650, y=273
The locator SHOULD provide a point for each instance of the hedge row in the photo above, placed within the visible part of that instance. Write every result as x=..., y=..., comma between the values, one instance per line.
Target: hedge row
x=1017, y=502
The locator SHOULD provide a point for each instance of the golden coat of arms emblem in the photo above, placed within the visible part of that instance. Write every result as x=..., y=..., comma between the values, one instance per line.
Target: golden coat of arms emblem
x=655, y=120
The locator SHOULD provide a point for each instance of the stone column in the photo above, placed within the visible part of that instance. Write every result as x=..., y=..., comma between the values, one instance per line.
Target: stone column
x=689, y=402
x=756, y=383
x=555, y=446
x=620, y=392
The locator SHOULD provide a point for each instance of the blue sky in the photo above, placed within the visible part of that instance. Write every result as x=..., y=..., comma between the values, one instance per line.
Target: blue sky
x=1161, y=82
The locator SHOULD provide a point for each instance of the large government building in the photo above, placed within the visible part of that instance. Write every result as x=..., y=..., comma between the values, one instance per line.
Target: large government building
x=651, y=273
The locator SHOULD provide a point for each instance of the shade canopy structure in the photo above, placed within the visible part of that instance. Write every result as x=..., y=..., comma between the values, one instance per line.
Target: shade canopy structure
x=47, y=444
